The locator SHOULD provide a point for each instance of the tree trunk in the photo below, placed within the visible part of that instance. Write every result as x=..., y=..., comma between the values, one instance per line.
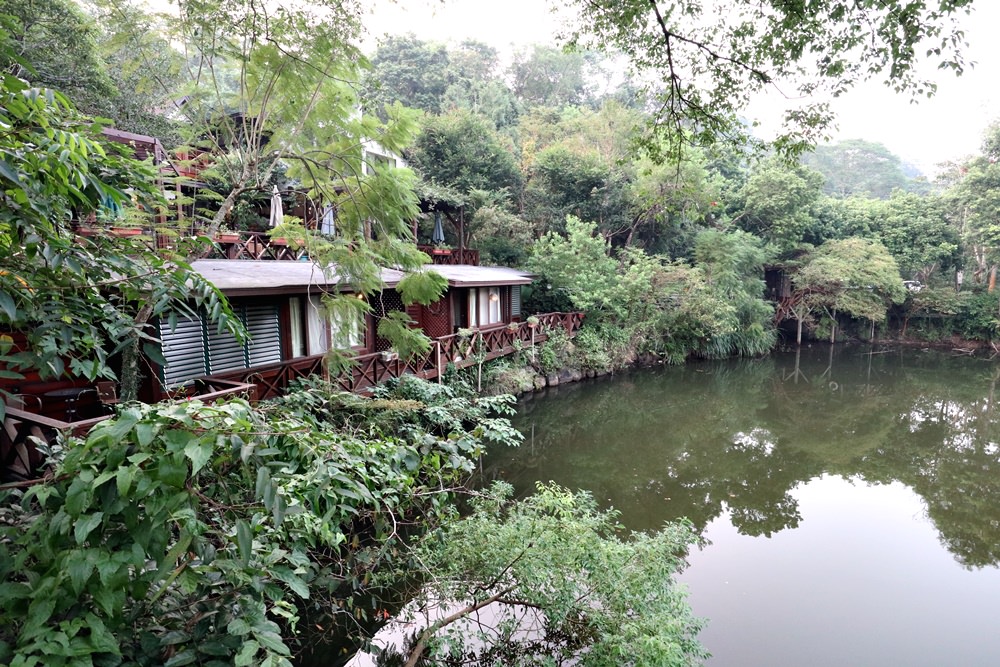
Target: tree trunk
x=130, y=357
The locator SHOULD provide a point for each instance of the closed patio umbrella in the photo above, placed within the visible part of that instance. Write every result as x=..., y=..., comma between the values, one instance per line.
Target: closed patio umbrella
x=438, y=236
x=327, y=226
x=277, y=214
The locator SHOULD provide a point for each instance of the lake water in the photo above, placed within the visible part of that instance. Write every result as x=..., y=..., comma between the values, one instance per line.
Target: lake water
x=851, y=496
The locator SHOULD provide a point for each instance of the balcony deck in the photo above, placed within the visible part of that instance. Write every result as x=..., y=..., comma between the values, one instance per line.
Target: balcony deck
x=262, y=246
x=20, y=460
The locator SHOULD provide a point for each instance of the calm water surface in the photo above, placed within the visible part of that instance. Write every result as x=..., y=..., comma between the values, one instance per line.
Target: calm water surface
x=851, y=496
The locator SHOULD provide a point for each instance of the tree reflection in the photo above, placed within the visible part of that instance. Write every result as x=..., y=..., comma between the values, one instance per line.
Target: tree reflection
x=944, y=448
x=707, y=439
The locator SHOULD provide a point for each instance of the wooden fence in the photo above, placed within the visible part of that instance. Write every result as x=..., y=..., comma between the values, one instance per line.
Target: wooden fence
x=461, y=351
x=19, y=458
x=368, y=370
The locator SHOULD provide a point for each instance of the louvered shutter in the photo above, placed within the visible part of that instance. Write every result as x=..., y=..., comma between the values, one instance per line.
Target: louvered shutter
x=184, y=350
x=225, y=353
x=264, y=346
x=515, y=301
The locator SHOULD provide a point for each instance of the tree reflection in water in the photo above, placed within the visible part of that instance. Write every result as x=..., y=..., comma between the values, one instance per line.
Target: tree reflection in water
x=738, y=437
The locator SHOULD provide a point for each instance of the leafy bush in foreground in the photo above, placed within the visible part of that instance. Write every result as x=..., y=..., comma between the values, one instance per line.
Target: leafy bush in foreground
x=554, y=561
x=193, y=534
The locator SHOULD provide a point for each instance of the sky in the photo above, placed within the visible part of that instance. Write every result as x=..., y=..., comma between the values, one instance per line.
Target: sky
x=946, y=127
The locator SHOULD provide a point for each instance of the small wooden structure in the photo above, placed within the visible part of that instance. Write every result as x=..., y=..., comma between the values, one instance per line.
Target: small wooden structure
x=22, y=429
x=280, y=304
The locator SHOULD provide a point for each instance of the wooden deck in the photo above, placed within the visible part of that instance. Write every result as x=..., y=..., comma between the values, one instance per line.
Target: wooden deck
x=369, y=370
x=20, y=459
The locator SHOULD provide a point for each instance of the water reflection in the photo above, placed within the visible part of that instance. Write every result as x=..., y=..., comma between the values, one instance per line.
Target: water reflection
x=738, y=438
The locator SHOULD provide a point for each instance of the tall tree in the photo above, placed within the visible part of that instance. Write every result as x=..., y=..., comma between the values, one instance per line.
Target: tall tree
x=975, y=205
x=462, y=151
x=546, y=76
x=413, y=72
x=777, y=202
x=55, y=44
x=579, y=183
x=918, y=233
x=858, y=167
x=853, y=276
x=477, y=84
x=706, y=62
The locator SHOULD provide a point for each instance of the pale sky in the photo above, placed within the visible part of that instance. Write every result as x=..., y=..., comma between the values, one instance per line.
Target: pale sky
x=947, y=127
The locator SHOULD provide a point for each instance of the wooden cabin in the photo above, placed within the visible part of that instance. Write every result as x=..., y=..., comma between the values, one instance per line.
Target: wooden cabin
x=280, y=303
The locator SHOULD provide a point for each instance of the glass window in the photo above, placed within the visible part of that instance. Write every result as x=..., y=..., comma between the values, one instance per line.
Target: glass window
x=484, y=306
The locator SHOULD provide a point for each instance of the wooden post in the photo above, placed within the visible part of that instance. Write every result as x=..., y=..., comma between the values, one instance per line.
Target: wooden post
x=437, y=364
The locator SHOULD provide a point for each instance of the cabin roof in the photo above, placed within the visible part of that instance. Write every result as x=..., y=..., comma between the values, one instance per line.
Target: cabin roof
x=465, y=275
x=251, y=277
x=237, y=276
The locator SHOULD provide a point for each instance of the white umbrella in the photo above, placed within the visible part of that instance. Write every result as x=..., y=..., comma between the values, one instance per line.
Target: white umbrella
x=329, y=218
x=277, y=214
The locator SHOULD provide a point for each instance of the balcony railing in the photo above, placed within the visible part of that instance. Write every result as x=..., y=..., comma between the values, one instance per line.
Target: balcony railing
x=451, y=256
x=258, y=245
x=21, y=459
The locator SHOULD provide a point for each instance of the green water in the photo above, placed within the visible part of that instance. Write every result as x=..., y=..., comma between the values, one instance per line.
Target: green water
x=851, y=496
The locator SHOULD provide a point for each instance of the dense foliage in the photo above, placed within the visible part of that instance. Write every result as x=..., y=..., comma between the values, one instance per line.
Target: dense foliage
x=78, y=302
x=196, y=534
x=554, y=562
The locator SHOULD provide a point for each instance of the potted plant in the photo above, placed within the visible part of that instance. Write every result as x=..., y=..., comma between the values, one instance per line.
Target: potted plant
x=226, y=235
x=441, y=250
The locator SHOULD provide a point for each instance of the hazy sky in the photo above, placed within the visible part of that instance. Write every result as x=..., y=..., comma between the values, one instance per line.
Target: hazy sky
x=946, y=127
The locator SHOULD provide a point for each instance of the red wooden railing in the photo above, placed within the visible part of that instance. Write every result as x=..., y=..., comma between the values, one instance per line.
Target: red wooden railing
x=368, y=370
x=484, y=344
x=451, y=256
x=258, y=245
x=20, y=458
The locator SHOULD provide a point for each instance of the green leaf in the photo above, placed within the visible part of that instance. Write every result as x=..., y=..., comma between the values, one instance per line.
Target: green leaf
x=10, y=173
x=246, y=655
x=78, y=496
x=295, y=583
x=272, y=641
x=154, y=353
x=85, y=525
x=101, y=638
x=123, y=479
x=102, y=478
x=238, y=626
x=172, y=472
x=39, y=613
x=185, y=657
x=79, y=570
x=8, y=306
x=144, y=432
x=214, y=648
x=199, y=452
x=244, y=541
x=109, y=600
x=170, y=560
